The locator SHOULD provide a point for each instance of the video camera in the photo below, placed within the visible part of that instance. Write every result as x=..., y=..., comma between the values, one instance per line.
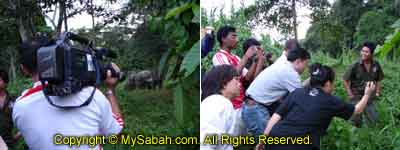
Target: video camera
x=65, y=69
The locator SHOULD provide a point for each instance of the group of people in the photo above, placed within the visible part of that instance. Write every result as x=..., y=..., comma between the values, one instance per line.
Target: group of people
x=273, y=100
x=37, y=121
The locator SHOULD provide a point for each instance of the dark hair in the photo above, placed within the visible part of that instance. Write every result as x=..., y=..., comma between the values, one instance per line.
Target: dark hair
x=298, y=53
x=4, y=76
x=292, y=44
x=248, y=43
x=27, y=53
x=320, y=74
x=223, y=32
x=370, y=45
x=215, y=80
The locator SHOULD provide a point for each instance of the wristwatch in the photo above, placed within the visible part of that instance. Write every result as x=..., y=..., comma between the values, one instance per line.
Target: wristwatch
x=109, y=92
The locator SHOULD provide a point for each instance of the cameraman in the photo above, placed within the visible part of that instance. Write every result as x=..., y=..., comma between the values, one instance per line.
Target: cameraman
x=39, y=122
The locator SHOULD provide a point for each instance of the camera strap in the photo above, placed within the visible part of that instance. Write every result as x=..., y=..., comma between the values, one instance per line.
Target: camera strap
x=87, y=102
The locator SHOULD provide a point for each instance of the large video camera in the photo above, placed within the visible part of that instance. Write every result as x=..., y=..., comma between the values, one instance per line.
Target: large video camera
x=65, y=68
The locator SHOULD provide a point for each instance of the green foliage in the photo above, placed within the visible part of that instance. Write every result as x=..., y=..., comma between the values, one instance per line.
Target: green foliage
x=238, y=19
x=373, y=26
x=391, y=44
x=180, y=63
x=348, y=24
x=282, y=13
x=326, y=37
x=341, y=134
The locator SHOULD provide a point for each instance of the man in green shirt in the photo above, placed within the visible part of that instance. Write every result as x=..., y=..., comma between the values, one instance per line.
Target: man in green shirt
x=355, y=78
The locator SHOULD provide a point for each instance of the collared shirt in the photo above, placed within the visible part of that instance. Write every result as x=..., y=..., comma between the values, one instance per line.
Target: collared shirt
x=224, y=57
x=274, y=82
x=216, y=118
x=358, y=75
x=39, y=122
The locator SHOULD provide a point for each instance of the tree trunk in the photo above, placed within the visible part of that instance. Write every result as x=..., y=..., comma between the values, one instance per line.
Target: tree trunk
x=12, y=69
x=294, y=18
x=60, y=16
x=65, y=21
x=23, y=29
x=92, y=13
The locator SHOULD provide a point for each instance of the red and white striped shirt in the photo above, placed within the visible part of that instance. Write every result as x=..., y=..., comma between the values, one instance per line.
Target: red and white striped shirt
x=225, y=57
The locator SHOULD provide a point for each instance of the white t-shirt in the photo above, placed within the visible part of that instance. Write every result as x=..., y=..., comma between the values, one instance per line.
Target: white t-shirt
x=38, y=121
x=274, y=82
x=216, y=117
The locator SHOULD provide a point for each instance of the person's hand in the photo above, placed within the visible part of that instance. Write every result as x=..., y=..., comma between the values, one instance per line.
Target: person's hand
x=261, y=55
x=369, y=88
x=259, y=146
x=110, y=81
x=350, y=95
x=250, y=52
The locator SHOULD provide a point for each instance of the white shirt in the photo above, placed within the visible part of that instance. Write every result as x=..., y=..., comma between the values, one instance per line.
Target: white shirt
x=216, y=117
x=38, y=121
x=274, y=82
x=281, y=59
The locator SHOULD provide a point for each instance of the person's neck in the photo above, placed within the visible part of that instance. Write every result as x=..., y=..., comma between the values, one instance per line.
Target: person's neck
x=294, y=67
x=367, y=61
x=227, y=95
x=226, y=48
x=325, y=89
x=3, y=92
x=285, y=52
x=35, y=78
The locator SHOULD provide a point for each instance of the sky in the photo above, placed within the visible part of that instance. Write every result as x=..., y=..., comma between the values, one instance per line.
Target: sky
x=84, y=20
x=302, y=13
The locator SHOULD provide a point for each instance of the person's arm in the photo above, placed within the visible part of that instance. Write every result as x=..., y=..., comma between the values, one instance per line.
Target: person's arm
x=249, y=53
x=17, y=136
x=110, y=93
x=250, y=75
x=369, y=89
x=112, y=121
x=378, y=88
x=346, y=84
x=378, y=82
x=306, y=82
x=347, y=77
x=274, y=119
x=260, y=62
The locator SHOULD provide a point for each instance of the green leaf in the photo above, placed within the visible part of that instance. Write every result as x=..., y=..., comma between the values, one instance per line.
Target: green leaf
x=196, y=12
x=389, y=45
x=178, y=10
x=179, y=104
x=191, y=60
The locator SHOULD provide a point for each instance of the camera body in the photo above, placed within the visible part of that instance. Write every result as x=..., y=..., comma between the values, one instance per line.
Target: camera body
x=65, y=69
